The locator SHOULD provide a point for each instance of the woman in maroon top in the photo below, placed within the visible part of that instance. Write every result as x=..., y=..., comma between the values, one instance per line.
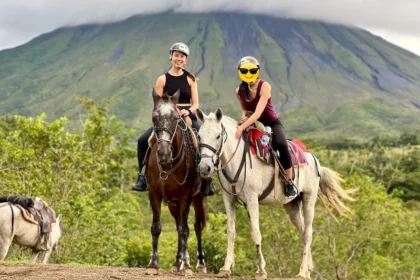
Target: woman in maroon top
x=254, y=94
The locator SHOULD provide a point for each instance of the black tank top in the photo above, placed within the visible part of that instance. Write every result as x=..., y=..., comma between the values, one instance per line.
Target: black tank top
x=173, y=83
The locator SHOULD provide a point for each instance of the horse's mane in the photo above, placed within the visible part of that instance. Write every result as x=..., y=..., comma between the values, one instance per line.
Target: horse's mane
x=225, y=119
x=229, y=119
x=25, y=202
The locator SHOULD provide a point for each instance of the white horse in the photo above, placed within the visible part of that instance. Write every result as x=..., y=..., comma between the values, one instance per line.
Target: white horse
x=14, y=228
x=221, y=150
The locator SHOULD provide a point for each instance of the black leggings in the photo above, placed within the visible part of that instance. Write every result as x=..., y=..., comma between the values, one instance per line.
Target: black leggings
x=280, y=144
x=142, y=142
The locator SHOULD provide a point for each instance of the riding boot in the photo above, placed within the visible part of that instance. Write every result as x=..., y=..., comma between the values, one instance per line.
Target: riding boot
x=207, y=187
x=141, y=185
x=290, y=189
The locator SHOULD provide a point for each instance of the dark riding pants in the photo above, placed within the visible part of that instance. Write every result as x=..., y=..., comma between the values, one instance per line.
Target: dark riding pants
x=279, y=143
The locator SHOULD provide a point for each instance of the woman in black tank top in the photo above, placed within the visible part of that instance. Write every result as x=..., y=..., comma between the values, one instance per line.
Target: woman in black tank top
x=176, y=78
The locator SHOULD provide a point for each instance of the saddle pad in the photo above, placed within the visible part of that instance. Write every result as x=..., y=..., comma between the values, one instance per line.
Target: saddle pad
x=296, y=149
x=28, y=216
x=297, y=152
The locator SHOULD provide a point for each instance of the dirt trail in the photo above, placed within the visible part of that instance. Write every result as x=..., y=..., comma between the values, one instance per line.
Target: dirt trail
x=50, y=271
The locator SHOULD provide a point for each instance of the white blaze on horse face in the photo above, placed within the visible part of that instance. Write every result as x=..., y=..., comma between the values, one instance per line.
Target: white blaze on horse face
x=165, y=111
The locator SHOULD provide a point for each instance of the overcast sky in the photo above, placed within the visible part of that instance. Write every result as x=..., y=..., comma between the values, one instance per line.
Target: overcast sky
x=397, y=21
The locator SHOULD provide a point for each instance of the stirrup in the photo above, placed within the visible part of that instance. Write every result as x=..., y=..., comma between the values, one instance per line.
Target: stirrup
x=293, y=189
x=141, y=185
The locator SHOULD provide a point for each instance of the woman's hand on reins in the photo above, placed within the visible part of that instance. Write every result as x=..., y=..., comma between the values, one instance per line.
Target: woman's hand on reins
x=239, y=130
x=184, y=112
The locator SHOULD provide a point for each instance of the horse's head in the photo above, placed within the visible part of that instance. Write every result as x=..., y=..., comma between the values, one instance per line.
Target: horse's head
x=212, y=136
x=165, y=119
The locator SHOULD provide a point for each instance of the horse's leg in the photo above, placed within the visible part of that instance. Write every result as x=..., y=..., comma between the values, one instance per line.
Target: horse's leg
x=309, y=200
x=34, y=255
x=183, y=234
x=155, y=200
x=253, y=210
x=46, y=256
x=7, y=232
x=230, y=208
x=5, y=243
x=174, y=210
x=200, y=223
x=295, y=215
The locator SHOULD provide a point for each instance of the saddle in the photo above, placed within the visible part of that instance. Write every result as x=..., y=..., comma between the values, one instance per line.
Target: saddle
x=260, y=145
x=46, y=214
x=37, y=212
x=258, y=141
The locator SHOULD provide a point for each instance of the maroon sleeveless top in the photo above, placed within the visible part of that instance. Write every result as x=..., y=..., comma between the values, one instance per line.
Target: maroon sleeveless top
x=269, y=115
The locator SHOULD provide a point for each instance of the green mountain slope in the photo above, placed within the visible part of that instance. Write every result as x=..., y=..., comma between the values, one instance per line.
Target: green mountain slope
x=326, y=79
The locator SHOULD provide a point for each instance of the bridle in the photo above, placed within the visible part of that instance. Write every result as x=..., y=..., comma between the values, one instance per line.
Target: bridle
x=163, y=128
x=217, y=153
x=181, y=124
x=186, y=152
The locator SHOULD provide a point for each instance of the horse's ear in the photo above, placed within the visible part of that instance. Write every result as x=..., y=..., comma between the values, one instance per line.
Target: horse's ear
x=175, y=97
x=219, y=114
x=155, y=95
x=59, y=217
x=200, y=115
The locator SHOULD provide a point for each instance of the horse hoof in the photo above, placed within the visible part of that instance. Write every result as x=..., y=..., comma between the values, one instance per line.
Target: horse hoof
x=223, y=274
x=151, y=271
x=174, y=269
x=300, y=276
x=188, y=272
x=261, y=276
x=201, y=269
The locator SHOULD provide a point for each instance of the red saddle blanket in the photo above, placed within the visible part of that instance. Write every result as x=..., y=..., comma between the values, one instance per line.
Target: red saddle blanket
x=297, y=152
x=296, y=148
x=28, y=216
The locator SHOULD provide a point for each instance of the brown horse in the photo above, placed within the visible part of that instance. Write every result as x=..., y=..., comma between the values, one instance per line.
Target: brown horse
x=172, y=176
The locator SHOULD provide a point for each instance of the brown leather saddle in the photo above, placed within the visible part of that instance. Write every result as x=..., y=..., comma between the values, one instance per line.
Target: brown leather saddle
x=45, y=215
x=34, y=211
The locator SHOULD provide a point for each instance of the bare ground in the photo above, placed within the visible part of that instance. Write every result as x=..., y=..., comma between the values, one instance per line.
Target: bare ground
x=50, y=271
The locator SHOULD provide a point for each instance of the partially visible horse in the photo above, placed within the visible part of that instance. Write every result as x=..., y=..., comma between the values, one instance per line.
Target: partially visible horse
x=20, y=224
x=172, y=177
x=254, y=186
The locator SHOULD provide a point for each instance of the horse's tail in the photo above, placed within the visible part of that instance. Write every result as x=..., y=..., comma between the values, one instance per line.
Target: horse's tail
x=331, y=192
